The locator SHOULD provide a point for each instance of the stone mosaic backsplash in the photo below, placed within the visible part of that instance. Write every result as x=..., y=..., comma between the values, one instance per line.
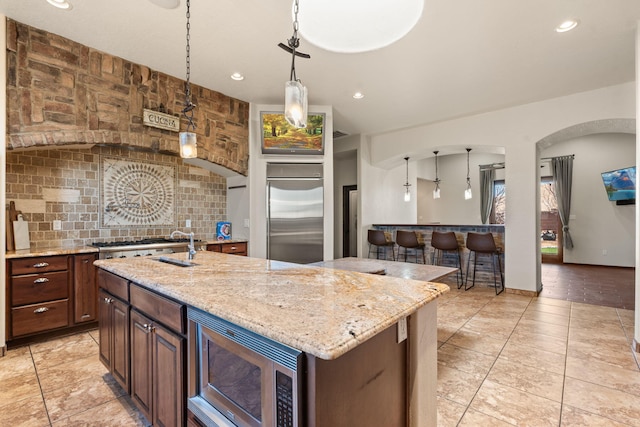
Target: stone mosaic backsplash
x=65, y=185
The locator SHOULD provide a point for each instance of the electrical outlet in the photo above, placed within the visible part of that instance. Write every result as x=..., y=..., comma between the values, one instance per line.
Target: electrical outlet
x=402, y=329
x=604, y=252
x=246, y=223
x=57, y=224
x=188, y=223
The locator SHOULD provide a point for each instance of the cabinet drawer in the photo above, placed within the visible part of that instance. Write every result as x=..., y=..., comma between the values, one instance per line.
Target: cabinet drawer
x=34, y=288
x=34, y=318
x=234, y=248
x=214, y=247
x=170, y=313
x=115, y=285
x=38, y=264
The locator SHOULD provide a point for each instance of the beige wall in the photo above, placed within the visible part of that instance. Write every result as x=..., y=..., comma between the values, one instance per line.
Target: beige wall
x=42, y=181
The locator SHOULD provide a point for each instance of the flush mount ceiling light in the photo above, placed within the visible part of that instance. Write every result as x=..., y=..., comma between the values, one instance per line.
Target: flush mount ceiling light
x=436, y=191
x=237, y=77
x=188, y=143
x=407, y=193
x=358, y=95
x=358, y=25
x=295, y=94
x=567, y=25
x=467, y=192
x=60, y=4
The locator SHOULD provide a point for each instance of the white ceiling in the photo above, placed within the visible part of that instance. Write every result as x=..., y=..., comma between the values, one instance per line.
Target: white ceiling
x=463, y=57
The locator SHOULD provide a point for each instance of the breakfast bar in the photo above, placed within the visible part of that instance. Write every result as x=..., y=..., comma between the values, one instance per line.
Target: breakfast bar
x=367, y=341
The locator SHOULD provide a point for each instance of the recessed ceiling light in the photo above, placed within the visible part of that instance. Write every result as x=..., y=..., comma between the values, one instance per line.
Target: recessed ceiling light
x=567, y=25
x=358, y=95
x=237, y=76
x=166, y=4
x=357, y=25
x=60, y=4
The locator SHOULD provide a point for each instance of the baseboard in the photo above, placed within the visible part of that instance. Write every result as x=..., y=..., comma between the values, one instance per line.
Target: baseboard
x=3, y=351
x=532, y=294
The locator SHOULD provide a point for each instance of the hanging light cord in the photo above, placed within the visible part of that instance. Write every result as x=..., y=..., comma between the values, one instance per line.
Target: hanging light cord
x=437, y=180
x=188, y=105
x=294, y=43
x=468, y=170
x=406, y=159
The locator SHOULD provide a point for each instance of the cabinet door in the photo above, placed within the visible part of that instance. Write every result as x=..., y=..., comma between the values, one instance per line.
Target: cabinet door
x=105, y=326
x=120, y=355
x=141, y=363
x=85, y=288
x=168, y=378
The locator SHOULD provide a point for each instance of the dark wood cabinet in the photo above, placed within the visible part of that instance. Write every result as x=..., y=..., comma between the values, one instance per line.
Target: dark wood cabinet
x=114, y=329
x=39, y=295
x=142, y=343
x=85, y=288
x=49, y=295
x=235, y=248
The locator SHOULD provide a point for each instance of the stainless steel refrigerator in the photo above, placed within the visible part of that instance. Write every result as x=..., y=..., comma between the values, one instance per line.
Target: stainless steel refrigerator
x=295, y=212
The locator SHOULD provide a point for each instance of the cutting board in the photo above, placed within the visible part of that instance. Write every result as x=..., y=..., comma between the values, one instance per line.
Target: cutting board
x=21, y=234
x=11, y=216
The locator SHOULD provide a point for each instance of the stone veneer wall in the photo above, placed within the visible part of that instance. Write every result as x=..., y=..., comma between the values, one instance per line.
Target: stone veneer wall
x=61, y=92
x=37, y=180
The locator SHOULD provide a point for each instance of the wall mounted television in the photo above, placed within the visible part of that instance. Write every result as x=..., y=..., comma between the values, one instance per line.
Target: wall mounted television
x=279, y=137
x=620, y=185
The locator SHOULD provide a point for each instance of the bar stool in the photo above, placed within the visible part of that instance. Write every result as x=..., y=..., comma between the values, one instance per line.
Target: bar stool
x=378, y=239
x=409, y=240
x=483, y=243
x=446, y=241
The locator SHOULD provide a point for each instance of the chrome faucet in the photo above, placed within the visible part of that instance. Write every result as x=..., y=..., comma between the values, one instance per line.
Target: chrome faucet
x=192, y=247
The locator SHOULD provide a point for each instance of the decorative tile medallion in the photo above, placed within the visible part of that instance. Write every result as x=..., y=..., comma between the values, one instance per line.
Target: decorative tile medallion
x=135, y=194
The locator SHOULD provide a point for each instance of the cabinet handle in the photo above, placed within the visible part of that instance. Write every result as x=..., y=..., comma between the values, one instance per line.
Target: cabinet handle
x=85, y=316
x=108, y=300
x=41, y=280
x=41, y=265
x=233, y=248
x=148, y=328
x=40, y=310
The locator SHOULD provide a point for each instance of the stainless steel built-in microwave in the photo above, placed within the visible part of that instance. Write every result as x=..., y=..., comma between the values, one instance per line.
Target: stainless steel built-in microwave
x=239, y=378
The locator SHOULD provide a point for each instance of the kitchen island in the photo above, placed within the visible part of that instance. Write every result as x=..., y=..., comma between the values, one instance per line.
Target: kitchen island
x=343, y=322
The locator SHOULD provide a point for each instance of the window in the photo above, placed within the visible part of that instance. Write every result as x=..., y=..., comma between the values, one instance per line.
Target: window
x=498, y=211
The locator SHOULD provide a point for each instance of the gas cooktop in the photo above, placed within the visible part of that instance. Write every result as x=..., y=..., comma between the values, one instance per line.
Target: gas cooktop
x=145, y=241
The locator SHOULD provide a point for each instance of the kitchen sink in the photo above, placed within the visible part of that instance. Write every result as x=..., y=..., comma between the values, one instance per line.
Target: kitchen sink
x=178, y=262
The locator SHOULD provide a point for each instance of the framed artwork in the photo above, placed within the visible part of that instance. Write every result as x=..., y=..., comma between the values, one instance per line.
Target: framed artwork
x=279, y=137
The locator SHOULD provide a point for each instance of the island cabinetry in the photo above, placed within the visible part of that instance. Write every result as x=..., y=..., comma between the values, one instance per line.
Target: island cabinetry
x=113, y=302
x=237, y=248
x=143, y=344
x=157, y=357
x=39, y=294
x=85, y=288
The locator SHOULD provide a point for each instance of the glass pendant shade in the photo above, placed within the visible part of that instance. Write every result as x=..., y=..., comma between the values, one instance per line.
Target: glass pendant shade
x=295, y=104
x=467, y=192
x=188, y=146
x=436, y=191
x=407, y=196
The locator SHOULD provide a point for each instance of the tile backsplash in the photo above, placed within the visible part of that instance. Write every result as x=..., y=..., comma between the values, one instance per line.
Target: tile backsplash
x=64, y=185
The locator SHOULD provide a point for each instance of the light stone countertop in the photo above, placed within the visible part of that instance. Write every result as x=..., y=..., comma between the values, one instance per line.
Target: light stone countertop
x=321, y=311
x=31, y=253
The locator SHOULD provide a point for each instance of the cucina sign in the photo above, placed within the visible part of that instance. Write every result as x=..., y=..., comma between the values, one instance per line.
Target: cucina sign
x=161, y=120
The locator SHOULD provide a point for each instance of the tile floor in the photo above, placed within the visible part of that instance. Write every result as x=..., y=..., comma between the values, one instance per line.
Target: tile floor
x=505, y=360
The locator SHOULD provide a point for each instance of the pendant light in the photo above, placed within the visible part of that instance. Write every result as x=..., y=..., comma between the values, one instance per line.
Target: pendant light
x=295, y=94
x=467, y=192
x=188, y=144
x=436, y=191
x=407, y=194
